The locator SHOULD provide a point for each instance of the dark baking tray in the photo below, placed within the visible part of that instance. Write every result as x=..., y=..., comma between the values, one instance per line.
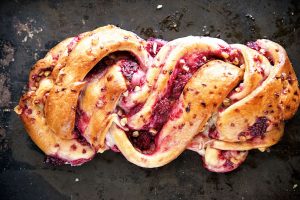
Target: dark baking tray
x=28, y=29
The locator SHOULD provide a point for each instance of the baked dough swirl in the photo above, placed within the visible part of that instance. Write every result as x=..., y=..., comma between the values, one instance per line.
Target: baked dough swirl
x=151, y=100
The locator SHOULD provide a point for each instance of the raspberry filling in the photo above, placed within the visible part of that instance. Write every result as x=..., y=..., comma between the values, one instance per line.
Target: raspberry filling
x=226, y=155
x=56, y=161
x=142, y=140
x=132, y=73
x=258, y=129
x=184, y=70
x=129, y=68
x=255, y=46
x=229, y=165
x=213, y=133
x=182, y=73
x=81, y=121
x=160, y=113
x=80, y=138
x=154, y=45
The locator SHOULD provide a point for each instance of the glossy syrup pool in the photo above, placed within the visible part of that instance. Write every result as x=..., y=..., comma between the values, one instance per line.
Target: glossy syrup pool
x=28, y=29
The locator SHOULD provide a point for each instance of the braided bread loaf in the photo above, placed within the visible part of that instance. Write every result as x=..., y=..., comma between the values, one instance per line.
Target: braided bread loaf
x=151, y=100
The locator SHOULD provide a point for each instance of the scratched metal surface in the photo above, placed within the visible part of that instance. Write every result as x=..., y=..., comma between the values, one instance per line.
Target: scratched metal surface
x=28, y=29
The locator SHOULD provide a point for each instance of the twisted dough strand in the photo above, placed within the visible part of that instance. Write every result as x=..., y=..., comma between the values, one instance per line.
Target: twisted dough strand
x=151, y=100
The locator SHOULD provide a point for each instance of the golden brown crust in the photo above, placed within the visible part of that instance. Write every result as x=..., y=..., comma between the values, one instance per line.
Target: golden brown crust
x=88, y=52
x=70, y=151
x=200, y=142
x=289, y=94
x=98, y=104
x=235, y=99
x=268, y=100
